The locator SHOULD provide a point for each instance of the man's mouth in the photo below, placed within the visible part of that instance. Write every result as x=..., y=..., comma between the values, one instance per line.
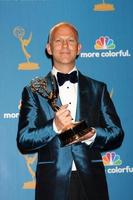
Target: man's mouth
x=65, y=52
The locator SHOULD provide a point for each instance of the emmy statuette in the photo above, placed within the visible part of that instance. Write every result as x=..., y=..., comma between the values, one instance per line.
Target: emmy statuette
x=49, y=90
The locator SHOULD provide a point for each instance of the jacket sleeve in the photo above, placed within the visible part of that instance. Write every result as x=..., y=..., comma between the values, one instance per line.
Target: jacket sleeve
x=35, y=130
x=109, y=132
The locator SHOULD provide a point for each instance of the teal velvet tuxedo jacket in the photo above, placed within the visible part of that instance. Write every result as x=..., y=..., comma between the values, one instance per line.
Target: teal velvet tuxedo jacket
x=36, y=134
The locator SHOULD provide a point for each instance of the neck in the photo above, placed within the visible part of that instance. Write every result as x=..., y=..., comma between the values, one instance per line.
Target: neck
x=64, y=68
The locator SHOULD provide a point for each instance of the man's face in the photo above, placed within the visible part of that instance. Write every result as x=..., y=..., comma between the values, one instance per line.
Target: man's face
x=63, y=46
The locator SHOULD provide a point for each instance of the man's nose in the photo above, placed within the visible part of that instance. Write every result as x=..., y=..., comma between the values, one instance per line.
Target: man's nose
x=65, y=43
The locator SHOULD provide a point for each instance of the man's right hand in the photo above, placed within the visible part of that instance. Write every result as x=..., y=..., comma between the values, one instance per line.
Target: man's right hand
x=63, y=119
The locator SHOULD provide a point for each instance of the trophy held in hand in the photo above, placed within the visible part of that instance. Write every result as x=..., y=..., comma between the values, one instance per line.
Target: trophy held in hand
x=49, y=90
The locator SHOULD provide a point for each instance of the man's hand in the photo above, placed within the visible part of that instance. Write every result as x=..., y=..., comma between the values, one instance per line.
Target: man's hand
x=63, y=119
x=88, y=135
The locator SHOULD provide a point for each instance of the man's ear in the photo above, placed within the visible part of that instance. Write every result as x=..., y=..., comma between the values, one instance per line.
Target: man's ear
x=79, y=48
x=49, y=49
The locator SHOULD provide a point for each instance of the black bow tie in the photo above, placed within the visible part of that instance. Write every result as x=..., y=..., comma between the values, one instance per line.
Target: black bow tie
x=62, y=78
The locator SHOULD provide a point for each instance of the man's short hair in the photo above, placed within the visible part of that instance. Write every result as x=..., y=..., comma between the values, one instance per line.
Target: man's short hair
x=61, y=24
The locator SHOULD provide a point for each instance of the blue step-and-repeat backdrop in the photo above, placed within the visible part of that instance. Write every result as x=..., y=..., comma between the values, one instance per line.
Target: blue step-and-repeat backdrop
x=106, y=34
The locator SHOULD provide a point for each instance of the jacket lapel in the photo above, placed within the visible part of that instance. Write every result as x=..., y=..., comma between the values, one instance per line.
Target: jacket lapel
x=84, y=98
x=50, y=87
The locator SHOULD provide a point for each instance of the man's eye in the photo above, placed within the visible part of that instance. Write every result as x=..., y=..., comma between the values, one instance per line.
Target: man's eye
x=72, y=41
x=58, y=40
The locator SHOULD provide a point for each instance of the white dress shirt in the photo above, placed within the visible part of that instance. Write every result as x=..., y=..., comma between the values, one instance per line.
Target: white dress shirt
x=68, y=95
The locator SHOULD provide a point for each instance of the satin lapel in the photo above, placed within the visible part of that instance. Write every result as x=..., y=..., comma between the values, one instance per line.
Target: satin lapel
x=84, y=98
x=49, y=80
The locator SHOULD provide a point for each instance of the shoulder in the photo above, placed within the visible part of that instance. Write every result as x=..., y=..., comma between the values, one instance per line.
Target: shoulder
x=89, y=80
x=37, y=82
x=38, y=86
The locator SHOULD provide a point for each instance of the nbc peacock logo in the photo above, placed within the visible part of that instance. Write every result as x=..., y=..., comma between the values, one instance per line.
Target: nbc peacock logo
x=111, y=158
x=105, y=48
x=113, y=164
x=104, y=42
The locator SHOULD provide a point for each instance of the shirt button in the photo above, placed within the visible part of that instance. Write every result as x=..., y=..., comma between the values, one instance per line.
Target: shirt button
x=69, y=102
x=67, y=87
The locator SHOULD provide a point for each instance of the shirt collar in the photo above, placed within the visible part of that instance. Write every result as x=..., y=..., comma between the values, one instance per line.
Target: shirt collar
x=54, y=71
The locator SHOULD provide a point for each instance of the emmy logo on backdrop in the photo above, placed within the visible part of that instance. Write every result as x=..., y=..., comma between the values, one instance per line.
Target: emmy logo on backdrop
x=19, y=33
x=104, y=6
x=30, y=160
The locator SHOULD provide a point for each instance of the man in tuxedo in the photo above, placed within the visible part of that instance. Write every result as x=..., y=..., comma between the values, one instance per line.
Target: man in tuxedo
x=76, y=171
